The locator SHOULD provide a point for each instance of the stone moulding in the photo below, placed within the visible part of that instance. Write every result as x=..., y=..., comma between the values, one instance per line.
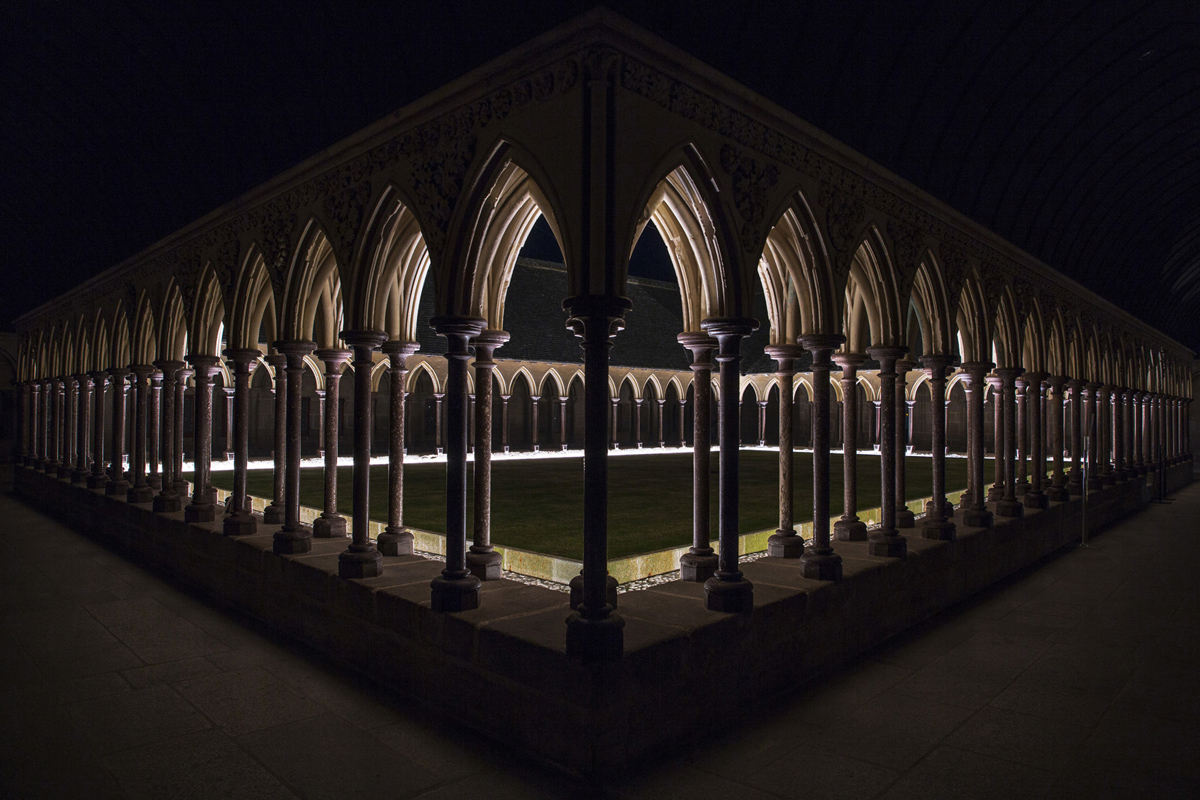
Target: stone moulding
x=503, y=669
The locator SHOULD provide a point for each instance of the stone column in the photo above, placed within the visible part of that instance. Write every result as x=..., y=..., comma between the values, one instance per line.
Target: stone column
x=274, y=513
x=877, y=423
x=974, y=513
x=33, y=391
x=181, y=486
x=321, y=424
x=762, y=423
x=56, y=424
x=996, y=493
x=534, y=403
x=396, y=540
x=83, y=419
x=141, y=491
x=613, y=445
x=239, y=519
x=482, y=560
x=1104, y=435
x=1022, y=451
x=456, y=589
x=594, y=629
x=1148, y=429
x=1118, y=433
x=293, y=537
x=201, y=507
x=69, y=426
x=117, y=485
x=886, y=540
x=21, y=430
x=727, y=590
x=562, y=423
x=361, y=559
x=1058, y=486
x=1092, y=425
x=936, y=525
x=849, y=528
x=49, y=444
x=331, y=524
x=153, y=430
x=1009, y=505
x=785, y=542
x=1128, y=426
x=700, y=562
x=1036, y=497
x=637, y=421
x=438, y=424
x=662, y=436
x=98, y=479
x=168, y=499
x=1139, y=456
x=1075, y=479
x=819, y=560
x=228, y=452
x=904, y=517
x=682, y=422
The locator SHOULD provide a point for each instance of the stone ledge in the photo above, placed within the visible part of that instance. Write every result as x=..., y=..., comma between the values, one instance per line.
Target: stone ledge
x=503, y=668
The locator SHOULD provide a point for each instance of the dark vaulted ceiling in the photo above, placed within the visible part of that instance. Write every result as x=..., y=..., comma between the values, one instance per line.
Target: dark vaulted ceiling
x=1071, y=128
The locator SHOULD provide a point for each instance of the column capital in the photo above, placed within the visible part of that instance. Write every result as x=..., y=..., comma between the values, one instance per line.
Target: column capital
x=142, y=371
x=204, y=366
x=724, y=327
x=293, y=347
x=976, y=371
x=887, y=355
x=334, y=359
x=276, y=360
x=822, y=343
x=243, y=356
x=849, y=362
x=453, y=327
x=486, y=342
x=939, y=362
x=1056, y=382
x=1009, y=374
x=701, y=346
x=785, y=355
x=1036, y=377
x=116, y=373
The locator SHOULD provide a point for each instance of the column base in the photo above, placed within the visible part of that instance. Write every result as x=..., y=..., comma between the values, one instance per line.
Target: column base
x=822, y=566
x=729, y=593
x=940, y=530
x=485, y=563
x=905, y=518
x=576, y=586
x=1094, y=484
x=183, y=488
x=453, y=593
x=995, y=494
x=1010, y=509
x=167, y=503
x=240, y=525
x=140, y=494
x=595, y=640
x=697, y=566
x=155, y=482
x=79, y=476
x=332, y=527
x=358, y=561
x=116, y=488
x=1023, y=487
x=977, y=518
x=1075, y=489
x=1036, y=500
x=273, y=515
x=64, y=473
x=887, y=544
x=784, y=544
x=199, y=512
x=395, y=542
x=850, y=530
x=97, y=481
x=947, y=509
x=290, y=543
x=1058, y=494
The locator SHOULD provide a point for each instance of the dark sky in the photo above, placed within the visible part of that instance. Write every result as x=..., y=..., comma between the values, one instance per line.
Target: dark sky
x=1071, y=128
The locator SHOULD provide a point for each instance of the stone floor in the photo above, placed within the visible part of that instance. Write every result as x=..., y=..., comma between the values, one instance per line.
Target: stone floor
x=1075, y=678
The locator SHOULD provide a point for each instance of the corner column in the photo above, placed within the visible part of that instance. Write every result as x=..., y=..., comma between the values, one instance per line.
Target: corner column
x=886, y=540
x=700, y=562
x=331, y=524
x=239, y=520
x=117, y=485
x=1009, y=506
x=201, y=507
x=974, y=513
x=360, y=559
x=785, y=542
x=83, y=419
x=396, y=540
x=482, y=560
x=274, y=513
x=167, y=499
x=141, y=491
x=937, y=526
x=849, y=528
x=819, y=560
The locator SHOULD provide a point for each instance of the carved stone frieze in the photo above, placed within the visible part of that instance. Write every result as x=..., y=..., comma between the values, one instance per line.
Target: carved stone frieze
x=752, y=185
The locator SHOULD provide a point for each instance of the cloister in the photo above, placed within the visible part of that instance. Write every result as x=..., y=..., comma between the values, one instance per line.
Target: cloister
x=257, y=321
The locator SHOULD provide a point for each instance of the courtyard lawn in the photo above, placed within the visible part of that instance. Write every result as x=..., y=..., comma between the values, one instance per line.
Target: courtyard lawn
x=537, y=504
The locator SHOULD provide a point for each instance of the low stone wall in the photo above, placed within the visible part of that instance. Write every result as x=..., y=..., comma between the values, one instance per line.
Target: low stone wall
x=503, y=669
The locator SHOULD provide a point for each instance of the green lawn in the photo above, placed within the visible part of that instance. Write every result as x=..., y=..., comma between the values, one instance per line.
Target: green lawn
x=537, y=504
